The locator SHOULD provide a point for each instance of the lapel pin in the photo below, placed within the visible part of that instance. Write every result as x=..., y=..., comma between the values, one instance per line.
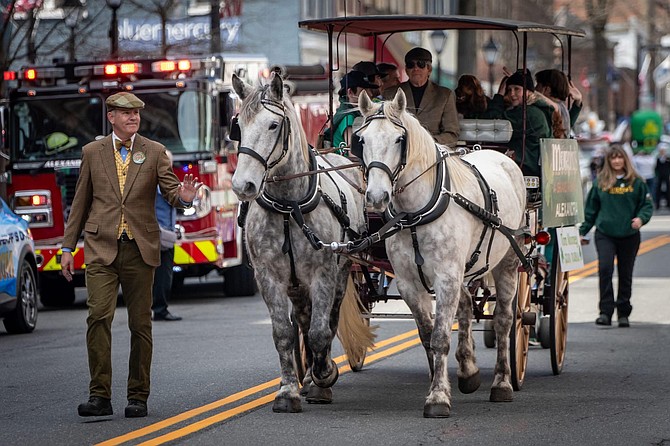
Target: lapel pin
x=139, y=157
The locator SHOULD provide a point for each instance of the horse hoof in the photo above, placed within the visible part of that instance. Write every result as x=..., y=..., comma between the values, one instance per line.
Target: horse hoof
x=328, y=381
x=436, y=410
x=501, y=395
x=287, y=405
x=306, y=383
x=318, y=395
x=470, y=384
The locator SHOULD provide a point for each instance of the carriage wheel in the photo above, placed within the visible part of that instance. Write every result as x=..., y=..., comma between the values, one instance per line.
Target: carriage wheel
x=299, y=351
x=520, y=333
x=558, y=314
x=361, y=285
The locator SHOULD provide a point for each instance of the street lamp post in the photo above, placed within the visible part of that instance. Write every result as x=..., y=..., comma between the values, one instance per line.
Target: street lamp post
x=114, y=28
x=490, y=50
x=438, y=38
x=71, y=22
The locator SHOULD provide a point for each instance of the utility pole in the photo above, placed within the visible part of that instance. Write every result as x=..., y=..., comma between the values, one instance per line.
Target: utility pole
x=215, y=26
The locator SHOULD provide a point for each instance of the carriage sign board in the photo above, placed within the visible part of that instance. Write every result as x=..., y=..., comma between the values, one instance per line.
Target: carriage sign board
x=562, y=196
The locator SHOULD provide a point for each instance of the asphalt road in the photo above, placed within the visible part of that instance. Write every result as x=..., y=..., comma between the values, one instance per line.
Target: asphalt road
x=215, y=372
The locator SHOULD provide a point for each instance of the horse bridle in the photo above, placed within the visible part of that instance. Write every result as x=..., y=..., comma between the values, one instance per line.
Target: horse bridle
x=393, y=174
x=284, y=134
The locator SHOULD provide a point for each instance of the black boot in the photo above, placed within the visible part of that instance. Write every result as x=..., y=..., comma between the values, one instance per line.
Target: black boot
x=96, y=406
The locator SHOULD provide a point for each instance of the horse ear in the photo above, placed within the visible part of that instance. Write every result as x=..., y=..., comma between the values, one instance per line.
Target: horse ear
x=400, y=100
x=241, y=88
x=277, y=87
x=364, y=103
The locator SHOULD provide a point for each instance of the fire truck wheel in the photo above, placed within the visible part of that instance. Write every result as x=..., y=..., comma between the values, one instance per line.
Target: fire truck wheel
x=56, y=291
x=239, y=281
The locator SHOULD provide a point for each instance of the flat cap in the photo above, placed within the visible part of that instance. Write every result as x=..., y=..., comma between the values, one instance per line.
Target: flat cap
x=418, y=53
x=123, y=100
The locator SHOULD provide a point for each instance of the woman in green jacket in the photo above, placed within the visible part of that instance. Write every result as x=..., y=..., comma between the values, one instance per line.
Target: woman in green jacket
x=618, y=205
x=510, y=107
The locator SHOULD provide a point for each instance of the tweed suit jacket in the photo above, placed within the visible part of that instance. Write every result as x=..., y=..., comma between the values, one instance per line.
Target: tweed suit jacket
x=437, y=112
x=98, y=204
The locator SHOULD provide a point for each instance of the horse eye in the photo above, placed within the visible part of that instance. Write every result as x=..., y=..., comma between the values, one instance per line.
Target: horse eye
x=400, y=140
x=273, y=126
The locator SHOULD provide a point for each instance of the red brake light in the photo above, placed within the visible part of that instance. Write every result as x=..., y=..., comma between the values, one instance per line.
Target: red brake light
x=111, y=70
x=542, y=238
x=9, y=75
x=30, y=74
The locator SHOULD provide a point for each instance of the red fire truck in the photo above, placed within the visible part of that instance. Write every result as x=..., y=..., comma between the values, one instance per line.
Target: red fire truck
x=50, y=112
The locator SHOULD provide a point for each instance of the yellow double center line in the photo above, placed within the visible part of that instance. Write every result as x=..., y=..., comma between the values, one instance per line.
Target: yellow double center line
x=381, y=351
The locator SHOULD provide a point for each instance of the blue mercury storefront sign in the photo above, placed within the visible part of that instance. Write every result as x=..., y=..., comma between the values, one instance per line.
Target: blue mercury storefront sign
x=138, y=34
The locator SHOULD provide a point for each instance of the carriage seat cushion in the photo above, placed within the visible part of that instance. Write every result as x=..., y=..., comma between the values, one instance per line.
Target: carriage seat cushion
x=486, y=130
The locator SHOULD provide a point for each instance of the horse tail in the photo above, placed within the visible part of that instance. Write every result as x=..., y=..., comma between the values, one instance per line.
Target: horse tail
x=354, y=331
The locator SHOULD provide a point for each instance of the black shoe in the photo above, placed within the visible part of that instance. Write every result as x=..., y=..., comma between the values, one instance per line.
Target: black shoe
x=167, y=316
x=96, y=406
x=603, y=319
x=136, y=409
x=623, y=322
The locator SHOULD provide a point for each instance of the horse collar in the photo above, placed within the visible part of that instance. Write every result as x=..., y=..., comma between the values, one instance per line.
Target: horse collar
x=307, y=204
x=437, y=205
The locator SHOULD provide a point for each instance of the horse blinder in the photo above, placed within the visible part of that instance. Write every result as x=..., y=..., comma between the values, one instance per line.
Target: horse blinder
x=234, y=132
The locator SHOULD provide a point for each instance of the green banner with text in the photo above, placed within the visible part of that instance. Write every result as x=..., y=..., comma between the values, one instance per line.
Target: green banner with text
x=562, y=196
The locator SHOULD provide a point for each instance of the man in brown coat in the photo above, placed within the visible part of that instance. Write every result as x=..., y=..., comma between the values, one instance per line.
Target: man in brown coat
x=433, y=105
x=114, y=204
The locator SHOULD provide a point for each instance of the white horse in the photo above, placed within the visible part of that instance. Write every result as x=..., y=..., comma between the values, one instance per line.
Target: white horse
x=284, y=223
x=404, y=176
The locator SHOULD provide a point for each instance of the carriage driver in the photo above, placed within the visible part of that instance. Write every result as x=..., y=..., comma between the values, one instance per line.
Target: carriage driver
x=433, y=105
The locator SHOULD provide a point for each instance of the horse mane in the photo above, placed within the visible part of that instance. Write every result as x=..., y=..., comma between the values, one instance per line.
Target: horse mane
x=252, y=105
x=421, y=150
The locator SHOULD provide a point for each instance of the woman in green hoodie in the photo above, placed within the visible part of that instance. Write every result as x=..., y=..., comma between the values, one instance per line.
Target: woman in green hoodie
x=618, y=205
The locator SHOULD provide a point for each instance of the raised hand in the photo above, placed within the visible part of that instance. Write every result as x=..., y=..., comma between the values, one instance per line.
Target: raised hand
x=574, y=93
x=189, y=187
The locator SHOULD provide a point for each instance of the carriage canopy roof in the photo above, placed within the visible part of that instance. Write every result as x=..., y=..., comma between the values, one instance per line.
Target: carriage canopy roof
x=371, y=25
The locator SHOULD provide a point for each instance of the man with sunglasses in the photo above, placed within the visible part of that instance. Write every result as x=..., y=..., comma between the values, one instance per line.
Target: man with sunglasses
x=433, y=105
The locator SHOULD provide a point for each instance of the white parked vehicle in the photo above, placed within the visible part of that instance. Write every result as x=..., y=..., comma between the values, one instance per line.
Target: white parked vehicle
x=18, y=280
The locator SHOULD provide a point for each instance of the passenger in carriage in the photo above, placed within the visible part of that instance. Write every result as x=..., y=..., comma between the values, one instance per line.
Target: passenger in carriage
x=372, y=75
x=433, y=105
x=553, y=85
x=510, y=107
x=389, y=75
x=351, y=86
x=471, y=102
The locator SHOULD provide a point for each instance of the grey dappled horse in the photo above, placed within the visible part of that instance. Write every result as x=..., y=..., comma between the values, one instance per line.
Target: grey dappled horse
x=292, y=274
x=400, y=154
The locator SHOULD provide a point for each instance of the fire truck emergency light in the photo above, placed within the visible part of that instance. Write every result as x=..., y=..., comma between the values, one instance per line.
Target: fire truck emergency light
x=111, y=70
x=9, y=75
x=168, y=66
x=30, y=74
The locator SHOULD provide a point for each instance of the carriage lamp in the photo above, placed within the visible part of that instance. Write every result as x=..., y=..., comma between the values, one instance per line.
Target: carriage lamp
x=543, y=238
x=490, y=50
x=438, y=39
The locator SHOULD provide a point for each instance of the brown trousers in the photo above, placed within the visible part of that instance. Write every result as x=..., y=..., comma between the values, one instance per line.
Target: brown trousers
x=102, y=284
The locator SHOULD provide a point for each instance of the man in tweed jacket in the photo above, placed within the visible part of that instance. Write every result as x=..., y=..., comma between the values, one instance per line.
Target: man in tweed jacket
x=433, y=105
x=114, y=205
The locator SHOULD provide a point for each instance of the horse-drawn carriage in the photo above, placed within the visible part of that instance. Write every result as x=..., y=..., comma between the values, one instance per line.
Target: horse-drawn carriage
x=451, y=217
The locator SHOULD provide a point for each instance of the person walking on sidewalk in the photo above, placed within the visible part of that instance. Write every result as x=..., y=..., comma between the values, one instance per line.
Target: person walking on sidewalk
x=618, y=205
